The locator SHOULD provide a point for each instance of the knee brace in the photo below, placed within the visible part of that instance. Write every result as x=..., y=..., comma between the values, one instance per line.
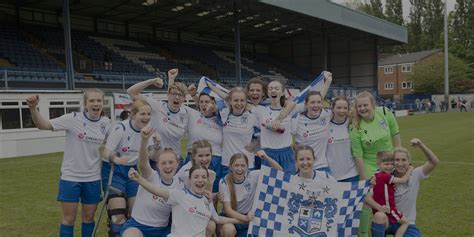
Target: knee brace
x=117, y=217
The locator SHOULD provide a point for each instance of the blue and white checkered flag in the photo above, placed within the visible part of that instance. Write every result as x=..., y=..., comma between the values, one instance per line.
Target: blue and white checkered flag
x=316, y=85
x=287, y=205
x=203, y=88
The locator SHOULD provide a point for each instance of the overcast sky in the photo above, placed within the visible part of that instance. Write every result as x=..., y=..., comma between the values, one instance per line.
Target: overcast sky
x=406, y=5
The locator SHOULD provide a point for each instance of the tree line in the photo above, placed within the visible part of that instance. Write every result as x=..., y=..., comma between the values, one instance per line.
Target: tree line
x=425, y=25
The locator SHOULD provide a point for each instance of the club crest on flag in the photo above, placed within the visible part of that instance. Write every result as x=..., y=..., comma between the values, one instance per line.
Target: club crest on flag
x=312, y=216
x=288, y=205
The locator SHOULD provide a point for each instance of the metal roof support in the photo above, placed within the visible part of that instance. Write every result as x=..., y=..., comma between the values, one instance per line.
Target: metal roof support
x=376, y=67
x=325, y=49
x=17, y=13
x=238, y=75
x=68, y=46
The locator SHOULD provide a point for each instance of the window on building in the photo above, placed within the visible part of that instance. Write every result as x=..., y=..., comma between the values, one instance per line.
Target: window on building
x=407, y=67
x=388, y=69
x=59, y=108
x=388, y=86
x=15, y=115
x=407, y=85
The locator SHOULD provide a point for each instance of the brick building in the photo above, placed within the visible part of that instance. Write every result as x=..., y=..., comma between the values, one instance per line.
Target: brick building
x=394, y=72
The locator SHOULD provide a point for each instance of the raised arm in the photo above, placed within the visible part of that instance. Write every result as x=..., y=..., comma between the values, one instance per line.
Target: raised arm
x=133, y=175
x=143, y=161
x=262, y=155
x=358, y=153
x=405, y=177
x=432, y=159
x=172, y=74
x=396, y=140
x=39, y=121
x=226, y=220
x=327, y=84
x=135, y=90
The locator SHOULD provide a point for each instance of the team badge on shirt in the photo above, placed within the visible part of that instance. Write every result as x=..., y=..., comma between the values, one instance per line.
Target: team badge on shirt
x=103, y=126
x=244, y=119
x=323, y=121
x=383, y=124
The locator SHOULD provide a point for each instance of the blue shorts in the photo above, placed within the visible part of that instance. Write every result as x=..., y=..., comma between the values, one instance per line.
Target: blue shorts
x=412, y=230
x=215, y=165
x=351, y=179
x=86, y=192
x=284, y=157
x=120, y=179
x=147, y=231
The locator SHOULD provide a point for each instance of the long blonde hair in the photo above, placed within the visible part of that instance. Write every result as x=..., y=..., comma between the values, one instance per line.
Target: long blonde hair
x=231, y=94
x=355, y=117
x=230, y=179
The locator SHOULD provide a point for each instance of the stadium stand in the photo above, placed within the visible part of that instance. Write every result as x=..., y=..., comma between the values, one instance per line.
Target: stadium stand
x=36, y=54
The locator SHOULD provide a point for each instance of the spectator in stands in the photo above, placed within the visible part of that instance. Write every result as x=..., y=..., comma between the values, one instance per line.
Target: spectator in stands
x=418, y=104
x=405, y=194
x=373, y=129
x=107, y=61
x=80, y=170
x=453, y=104
x=463, y=105
x=168, y=118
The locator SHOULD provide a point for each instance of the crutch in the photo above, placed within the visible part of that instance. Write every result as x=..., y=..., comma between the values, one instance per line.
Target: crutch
x=104, y=202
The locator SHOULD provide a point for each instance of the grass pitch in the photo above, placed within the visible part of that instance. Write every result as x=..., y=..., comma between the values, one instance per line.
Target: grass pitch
x=28, y=185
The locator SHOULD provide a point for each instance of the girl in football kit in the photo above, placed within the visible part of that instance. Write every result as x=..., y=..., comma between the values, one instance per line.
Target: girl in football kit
x=201, y=153
x=239, y=129
x=310, y=125
x=338, y=151
x=80, y=169
x=122, y=148
x=373, y=129
x=275, y=136
x=238, y=190
x=305, y=159
x=168, y=118
x=191, y=210
x=204, y=125
x=150, y=215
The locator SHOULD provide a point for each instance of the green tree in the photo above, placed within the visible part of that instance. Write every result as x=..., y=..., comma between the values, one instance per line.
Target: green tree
x=462, y=31
x=429, y=75
x=376, y=8
x=415, y=30
x=394, y=11
x=433, y=25
x=371, y=7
